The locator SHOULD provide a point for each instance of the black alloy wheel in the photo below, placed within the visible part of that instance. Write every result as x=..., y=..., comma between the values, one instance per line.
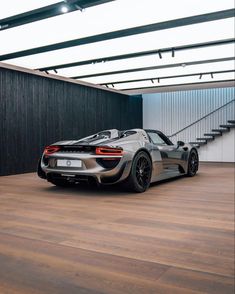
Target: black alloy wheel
x=140, y=175
x=193, y=164
x=143, y=171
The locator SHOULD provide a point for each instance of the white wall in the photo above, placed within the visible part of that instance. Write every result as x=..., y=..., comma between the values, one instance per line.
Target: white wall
x=222, y=149
x=172, y=111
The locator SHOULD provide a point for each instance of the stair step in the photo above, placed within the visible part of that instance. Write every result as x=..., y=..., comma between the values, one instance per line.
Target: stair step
x=220, y=130
x=227, y=126
x=207, y=139
x=212, y=134
x=231, y=121
x=198, y=143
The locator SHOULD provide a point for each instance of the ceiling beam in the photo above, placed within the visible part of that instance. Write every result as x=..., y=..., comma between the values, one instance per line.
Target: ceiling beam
x=154, y=67
x=124, y=33
x=182, y=86
x=46, y=12
x=140, y=54
x=158, y=79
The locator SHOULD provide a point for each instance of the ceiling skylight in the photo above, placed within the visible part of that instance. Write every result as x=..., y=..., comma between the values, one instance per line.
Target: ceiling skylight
x=120, y=15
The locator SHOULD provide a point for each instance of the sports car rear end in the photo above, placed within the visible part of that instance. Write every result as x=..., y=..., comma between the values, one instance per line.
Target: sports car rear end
x=76, y=163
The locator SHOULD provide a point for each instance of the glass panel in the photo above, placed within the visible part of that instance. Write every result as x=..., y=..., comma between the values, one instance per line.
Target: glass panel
x=156, y=139
x=116, y=15
x=209, y=67
x=215, y=30
x=181, y=57
x=13, y=7
x=108, y=17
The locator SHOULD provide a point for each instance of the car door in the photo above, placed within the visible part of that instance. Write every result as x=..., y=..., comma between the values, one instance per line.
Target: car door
x=170, y=153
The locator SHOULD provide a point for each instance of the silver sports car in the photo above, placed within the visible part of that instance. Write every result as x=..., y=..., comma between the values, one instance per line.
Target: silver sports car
x=134, y=157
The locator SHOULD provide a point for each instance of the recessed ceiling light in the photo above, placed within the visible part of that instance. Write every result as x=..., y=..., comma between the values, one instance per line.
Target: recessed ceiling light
x=64, y=9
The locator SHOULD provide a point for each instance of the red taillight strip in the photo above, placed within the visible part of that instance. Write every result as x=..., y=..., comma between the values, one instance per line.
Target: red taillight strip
x=51, y=149
x=108, y=151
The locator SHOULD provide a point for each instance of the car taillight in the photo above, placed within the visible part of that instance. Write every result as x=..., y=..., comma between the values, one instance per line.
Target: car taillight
x=108, y=151
x=51, y=149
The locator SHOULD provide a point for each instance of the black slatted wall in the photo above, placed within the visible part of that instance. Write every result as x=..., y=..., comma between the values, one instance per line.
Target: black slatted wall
x=36, y=111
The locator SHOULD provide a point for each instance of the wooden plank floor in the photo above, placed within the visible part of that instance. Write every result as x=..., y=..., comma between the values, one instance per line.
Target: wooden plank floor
x=175, y=238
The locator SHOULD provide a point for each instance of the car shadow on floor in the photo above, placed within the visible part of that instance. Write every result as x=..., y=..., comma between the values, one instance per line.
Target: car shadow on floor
x=109, y=190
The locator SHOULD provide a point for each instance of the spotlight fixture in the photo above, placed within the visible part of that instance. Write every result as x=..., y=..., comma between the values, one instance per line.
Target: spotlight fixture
x=200, y=76
x=160, y=54
x=64, y=9
x=212, y=76
x=152, y=81
x=158, y=80
x=78, y=7
x=173, y=52
x=55, y=71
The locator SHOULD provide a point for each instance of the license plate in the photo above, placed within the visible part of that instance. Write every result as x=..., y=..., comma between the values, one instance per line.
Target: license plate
x=69, y=163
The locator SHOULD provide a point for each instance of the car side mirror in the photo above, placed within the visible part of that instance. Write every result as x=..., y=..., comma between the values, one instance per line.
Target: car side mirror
x=180, y=143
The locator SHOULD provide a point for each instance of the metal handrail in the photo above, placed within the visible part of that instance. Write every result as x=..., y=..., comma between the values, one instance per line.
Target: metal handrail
x=208, y=114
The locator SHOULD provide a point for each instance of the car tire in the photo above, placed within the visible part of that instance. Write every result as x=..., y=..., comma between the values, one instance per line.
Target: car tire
x=140, y=174
x=193, y=163
x=40, y=172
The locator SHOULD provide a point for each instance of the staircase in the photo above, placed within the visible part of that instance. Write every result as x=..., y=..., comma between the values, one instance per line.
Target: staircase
x=207, y=128
x=214, y=133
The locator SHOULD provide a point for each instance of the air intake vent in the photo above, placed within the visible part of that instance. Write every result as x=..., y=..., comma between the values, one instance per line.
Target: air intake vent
x=76, y=149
